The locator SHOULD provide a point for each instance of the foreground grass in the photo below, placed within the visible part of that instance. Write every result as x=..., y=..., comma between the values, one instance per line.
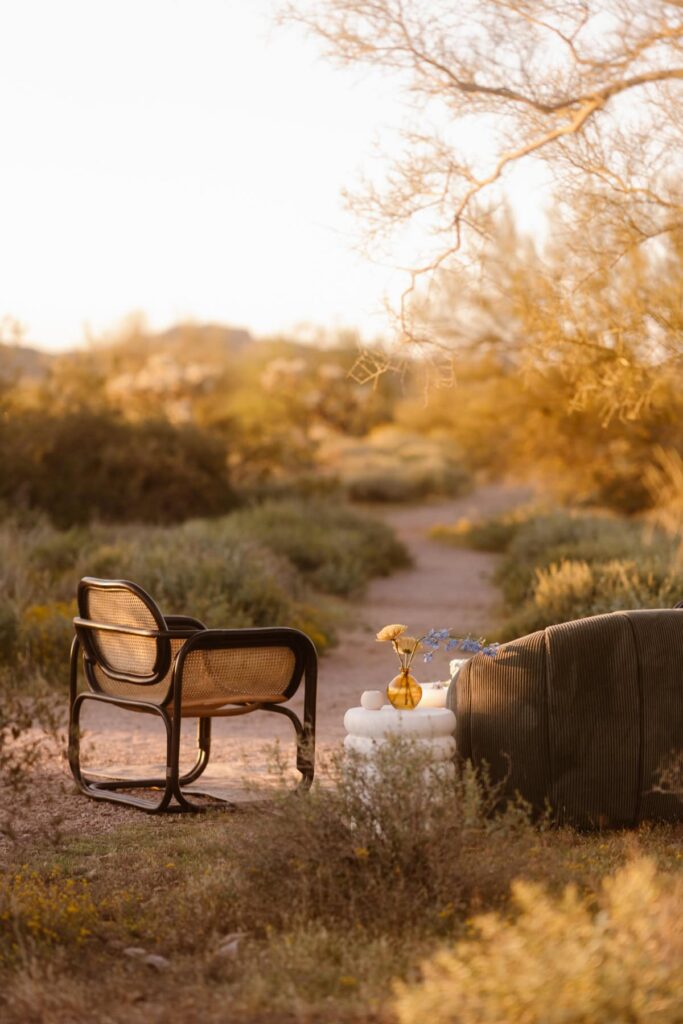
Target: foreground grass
x=312, y=909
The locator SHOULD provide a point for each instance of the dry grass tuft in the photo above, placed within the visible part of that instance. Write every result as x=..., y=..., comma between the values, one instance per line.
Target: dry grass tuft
x=563, y=961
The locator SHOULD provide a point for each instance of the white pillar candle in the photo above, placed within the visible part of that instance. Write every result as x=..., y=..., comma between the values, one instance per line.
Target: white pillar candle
x=372, y=700
x=434, y=695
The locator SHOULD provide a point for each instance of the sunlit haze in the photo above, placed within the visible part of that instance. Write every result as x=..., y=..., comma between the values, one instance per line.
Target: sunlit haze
x=182, y=159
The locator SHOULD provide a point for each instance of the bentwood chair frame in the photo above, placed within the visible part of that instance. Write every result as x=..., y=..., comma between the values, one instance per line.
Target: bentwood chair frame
x=178, y=640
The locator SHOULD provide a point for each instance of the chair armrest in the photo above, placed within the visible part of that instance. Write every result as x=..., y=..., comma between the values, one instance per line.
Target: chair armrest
x=303, y=648
x=183, y=622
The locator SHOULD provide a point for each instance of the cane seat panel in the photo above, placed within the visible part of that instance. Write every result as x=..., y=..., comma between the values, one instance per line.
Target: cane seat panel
x=214, y=677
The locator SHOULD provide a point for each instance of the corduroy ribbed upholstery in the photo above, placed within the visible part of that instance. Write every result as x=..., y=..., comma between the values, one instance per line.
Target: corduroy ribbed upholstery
x=581, y=715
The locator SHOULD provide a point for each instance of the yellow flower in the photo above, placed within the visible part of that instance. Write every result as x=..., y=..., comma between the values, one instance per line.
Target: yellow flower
x=408, y=644
x=391, y=632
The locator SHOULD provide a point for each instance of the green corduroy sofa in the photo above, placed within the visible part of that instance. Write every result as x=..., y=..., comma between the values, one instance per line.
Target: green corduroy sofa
x=580, y=716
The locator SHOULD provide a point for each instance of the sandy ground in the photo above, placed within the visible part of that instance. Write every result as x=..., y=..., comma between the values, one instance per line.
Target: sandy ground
x=445, y=587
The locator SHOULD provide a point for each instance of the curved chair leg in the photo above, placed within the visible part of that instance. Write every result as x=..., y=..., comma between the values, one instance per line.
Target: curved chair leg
x=204, y=747
x=203, y=752
x=304, y=759
x=107, y=790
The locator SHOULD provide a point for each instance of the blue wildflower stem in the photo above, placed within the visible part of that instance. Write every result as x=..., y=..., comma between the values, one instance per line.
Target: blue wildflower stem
x=435, y=637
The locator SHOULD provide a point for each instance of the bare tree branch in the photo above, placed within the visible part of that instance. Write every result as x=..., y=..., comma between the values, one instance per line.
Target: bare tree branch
x=589, y=87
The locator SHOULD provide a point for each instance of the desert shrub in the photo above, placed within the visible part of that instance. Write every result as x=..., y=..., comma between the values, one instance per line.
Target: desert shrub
x=207, y=568
x=85, y=464
x=494, y=534
x=563, y=961
x=560, y=566
x=44, y=636
x=268, y=565
x=333, y=546
x=542, y=540
x=9, y=631
x=381, y=848
x=573, y=589
x=565, y=566
x=44, y=911
x=391, y=465
x=57, y=551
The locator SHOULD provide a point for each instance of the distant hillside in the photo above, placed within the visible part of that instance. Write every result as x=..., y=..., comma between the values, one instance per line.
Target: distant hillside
x=217, y=336
x=20, y=362
x=212, y=342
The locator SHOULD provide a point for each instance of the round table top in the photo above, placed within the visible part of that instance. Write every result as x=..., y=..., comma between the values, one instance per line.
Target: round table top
x=389, y=720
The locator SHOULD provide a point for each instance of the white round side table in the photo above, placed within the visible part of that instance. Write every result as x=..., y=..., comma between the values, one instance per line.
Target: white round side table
x=431, y=728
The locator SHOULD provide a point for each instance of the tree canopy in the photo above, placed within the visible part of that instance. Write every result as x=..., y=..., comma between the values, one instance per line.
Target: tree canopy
x=591, y=88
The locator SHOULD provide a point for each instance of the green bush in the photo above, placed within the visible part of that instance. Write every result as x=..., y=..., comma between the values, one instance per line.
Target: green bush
x=494, y=535
x=269, y=565
x=380, y=849
x=573, y=589
x=44, y=638
x=560, y=566
x=334, y=547
x=86, y=465
x=563, y=960
x=565, y=566
x=9, y=631
x=391, y=465
x=542, y=540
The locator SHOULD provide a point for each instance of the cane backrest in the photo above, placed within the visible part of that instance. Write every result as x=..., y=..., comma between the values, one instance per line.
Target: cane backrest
x=121, y=658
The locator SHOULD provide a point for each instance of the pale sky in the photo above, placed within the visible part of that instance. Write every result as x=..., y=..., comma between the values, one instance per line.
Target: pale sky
x=183, y=158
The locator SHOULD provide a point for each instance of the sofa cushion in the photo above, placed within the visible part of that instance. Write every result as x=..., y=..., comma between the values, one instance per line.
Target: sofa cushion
x=581, y=716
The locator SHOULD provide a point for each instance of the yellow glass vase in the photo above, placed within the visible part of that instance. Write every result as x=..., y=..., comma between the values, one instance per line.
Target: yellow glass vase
x=404, y=692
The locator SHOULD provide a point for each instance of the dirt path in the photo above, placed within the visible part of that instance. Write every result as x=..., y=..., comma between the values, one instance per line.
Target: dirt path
x=444, y=587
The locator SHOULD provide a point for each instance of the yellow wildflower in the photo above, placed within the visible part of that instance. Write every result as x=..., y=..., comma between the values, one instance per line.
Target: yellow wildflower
x=391, y=632
x=408, y=644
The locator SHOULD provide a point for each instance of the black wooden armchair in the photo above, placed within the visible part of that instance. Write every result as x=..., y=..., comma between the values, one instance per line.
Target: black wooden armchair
x=174, y=667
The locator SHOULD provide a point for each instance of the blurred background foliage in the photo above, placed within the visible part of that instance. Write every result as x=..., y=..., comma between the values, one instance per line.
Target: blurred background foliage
x=242, y=457
x=576, y=389
x=285, y=561
x=560, y=565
